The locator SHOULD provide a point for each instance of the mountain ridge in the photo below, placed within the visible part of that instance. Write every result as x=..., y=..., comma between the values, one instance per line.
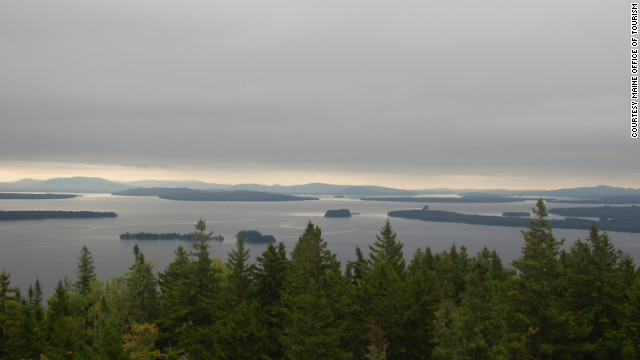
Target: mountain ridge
x=81, y=184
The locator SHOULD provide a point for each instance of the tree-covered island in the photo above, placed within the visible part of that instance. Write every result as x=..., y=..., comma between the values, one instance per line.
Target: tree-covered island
x=255, y=237
x=168, y=236
x=34, y=196
x=46, y=214
x=624, y=219
x=339, y=213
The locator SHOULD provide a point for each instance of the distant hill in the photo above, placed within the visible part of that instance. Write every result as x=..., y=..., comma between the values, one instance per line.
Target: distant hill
x=77, y=184
x=184, y=194
x=191, y=184
x=325, y=189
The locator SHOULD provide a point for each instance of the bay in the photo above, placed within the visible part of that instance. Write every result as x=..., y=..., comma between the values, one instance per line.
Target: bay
x=48, y=249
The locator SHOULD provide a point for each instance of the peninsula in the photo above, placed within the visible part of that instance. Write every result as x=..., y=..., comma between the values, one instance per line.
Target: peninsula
x=623, y=224
x=167, y=236
x=467, y=199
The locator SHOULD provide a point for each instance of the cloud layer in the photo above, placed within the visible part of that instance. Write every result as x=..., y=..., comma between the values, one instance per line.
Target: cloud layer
x=422, y=88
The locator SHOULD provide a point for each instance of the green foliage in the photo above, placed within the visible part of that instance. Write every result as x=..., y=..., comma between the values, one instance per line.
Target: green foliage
x=142, y=291
x=313, y=298
x=85, y=271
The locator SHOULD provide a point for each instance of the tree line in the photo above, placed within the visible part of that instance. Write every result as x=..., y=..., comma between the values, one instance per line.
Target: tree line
x=579, y=303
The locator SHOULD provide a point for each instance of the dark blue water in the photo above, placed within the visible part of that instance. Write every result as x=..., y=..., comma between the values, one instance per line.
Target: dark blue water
x=48, y=249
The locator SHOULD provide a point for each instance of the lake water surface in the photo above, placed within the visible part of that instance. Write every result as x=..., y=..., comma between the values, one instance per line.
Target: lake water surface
x=48, y=249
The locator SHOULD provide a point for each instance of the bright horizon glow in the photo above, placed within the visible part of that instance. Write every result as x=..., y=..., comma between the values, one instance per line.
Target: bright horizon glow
x=15, y=171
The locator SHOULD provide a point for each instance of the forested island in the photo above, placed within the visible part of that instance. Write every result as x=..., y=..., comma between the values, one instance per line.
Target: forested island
x=168, y=236
x=255, y=237
x=339, y=213
x=45, y=214
x=31, y=196
x=514, y=214
x=467, y=199
x=580, y=302
x=624, y=224
x=185, y=194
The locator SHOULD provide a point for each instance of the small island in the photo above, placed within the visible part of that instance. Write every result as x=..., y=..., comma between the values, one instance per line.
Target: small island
x=340, y=213
x=255, y=237
x=167, y=236
x=32, y=196
x=40, y=215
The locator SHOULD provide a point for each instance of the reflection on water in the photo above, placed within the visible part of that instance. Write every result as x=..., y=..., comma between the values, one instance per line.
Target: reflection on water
x=48, y=249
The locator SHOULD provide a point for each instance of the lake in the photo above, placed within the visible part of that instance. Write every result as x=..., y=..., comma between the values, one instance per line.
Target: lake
x=48, y=249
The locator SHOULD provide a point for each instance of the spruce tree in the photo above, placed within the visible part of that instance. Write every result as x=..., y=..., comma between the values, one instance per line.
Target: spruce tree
x=314, y=301
x=241, y=271
x=142, y=291
x=85, y=271
x=541, y=319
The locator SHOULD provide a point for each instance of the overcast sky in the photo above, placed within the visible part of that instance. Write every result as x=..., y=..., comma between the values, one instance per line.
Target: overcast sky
x=413, y=94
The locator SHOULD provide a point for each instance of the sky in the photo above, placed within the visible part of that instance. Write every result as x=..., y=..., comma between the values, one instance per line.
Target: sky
x=410, y=94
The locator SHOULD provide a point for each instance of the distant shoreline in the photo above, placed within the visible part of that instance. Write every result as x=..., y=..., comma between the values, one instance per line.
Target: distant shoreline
x=59, y=214
x=32, y=196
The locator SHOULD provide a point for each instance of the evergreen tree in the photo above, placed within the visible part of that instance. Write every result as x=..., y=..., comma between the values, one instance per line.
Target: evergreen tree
x=201, y=309
x=142, y=290
x=541, y=320
x=476, y=328
x=596, y=293
x=241, y=271
x=271, y=271
x=85, y=271
x=357, y=270
x=313, y=300
x=400, y=304
x=387, y=249
x=174, y=301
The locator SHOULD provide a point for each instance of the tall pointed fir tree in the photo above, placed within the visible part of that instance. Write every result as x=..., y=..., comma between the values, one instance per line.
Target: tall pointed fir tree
x=142, y=290
x=202, y=286
x=541, y=320
x=85, y=271
x=399, y=304
x=314, y=302
x=271, y=272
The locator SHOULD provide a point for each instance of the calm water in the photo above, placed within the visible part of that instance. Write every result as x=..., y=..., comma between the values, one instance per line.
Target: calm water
x=48, y=249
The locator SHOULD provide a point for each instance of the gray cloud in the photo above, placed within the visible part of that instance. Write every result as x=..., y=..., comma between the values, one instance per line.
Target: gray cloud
x=504, y=88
